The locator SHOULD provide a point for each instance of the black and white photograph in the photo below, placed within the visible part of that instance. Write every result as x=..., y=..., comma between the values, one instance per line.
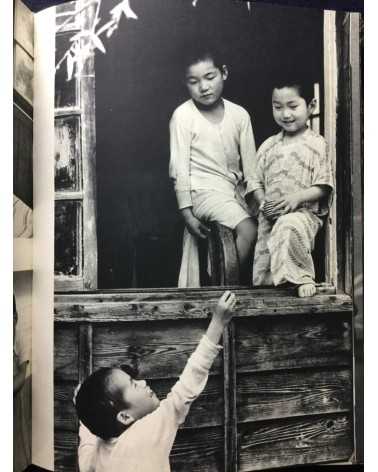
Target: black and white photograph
x=208, y=305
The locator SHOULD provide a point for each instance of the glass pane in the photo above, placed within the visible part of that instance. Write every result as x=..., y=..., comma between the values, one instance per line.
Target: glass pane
x=66, y=7
x=64, y=14
x=23, y=156
x=67, y=238
x=65, y=90
x=23, y=74
x=67, y=154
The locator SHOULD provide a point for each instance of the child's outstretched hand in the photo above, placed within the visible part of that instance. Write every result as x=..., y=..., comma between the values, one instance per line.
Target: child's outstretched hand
x=222, y=316
x=225, y=307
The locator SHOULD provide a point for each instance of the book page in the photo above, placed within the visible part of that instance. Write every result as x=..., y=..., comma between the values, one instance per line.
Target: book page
x=22, y=233
x=43, y=281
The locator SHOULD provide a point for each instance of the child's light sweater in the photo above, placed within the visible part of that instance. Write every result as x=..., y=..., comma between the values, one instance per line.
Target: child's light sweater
x=210, y=156
x=145, y=446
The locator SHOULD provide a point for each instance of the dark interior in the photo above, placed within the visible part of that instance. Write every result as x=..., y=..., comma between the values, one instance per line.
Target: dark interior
x=139, y=84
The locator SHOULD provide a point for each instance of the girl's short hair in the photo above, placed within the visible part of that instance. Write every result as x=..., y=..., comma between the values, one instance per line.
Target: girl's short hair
x=303, y=86
x=96, y=408
x=201, y=51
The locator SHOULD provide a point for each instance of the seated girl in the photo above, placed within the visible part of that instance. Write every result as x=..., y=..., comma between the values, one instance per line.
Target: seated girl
x=293, y=189
x=212, y=156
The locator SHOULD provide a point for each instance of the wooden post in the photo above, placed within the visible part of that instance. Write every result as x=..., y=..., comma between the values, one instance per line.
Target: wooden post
x=330, y=116
x=230, y=418
x=88, y=143
x=357, y=228
x=85, y=351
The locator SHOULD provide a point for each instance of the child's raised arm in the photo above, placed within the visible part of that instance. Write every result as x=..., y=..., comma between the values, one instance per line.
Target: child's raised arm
x=194, y=377
x=221, y=317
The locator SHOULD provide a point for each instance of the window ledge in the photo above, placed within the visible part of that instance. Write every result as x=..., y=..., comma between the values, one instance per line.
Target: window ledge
x=174, y=304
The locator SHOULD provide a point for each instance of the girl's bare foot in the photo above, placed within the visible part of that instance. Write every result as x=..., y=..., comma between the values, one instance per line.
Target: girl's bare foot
x=306, y=290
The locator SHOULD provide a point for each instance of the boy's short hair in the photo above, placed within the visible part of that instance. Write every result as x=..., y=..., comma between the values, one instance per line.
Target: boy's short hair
x=201, y=51
x=303, y=86
x=96, y=408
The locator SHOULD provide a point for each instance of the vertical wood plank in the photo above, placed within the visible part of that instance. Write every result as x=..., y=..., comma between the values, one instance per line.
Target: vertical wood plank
x=330, y=116
x=357, y=227
x=88, y=128
x=230, y=416
x=85, y=351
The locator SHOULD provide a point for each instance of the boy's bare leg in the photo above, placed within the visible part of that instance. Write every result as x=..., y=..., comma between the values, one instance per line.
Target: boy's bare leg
x=246, y=235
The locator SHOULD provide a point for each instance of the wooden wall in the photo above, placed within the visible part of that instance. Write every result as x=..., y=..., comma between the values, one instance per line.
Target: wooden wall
x=281, y=393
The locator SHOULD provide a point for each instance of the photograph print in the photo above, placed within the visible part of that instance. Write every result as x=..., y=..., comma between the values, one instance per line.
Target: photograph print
x=204, y=173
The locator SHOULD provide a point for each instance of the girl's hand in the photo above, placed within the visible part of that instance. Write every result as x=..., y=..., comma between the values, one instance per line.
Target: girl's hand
x=197, y=228
x=225, y=308
x=274, y=208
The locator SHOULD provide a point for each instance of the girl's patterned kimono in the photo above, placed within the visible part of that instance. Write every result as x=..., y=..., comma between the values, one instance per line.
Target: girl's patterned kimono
x=283, y=249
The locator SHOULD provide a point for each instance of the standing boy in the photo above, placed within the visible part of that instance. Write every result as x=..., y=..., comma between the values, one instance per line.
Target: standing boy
x=212, y=161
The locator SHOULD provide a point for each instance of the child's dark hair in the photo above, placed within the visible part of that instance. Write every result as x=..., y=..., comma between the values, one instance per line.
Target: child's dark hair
x=304, y=86
x=96, y=408
x=201, y=51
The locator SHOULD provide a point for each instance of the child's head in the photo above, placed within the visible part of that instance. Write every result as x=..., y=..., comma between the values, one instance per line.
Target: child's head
x=293, y=103
x=205, y=73
x=110, y=400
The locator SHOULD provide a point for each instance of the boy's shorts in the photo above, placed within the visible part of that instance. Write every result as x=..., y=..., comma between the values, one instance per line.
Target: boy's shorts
x=228, y=209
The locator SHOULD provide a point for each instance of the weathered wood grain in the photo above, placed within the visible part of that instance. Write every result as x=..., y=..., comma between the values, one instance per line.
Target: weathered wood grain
x=198, y=451
x=230, y=413
x=223, y=256
x=88, y=146
x=292, y=369
x=71, y=283
x=66, y=360
x=65, y=418
x=206, y=411
x=173, y=305
x=155, y=293
x=158, y=351
x=85, y=351
x=284, y=394
x=300, y=441
x=65, y=450
x=303, y=342
x=173, y=293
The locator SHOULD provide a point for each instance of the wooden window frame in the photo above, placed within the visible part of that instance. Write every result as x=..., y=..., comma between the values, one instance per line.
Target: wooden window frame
x=84, y=109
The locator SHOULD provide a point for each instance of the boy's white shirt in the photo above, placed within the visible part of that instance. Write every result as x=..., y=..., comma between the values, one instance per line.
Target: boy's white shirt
x=145, y=446
x=210, y=156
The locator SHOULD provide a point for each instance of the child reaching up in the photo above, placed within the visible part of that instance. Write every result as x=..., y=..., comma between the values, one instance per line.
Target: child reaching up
x=211, y=164
x=293, y=187
x=124, y=426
